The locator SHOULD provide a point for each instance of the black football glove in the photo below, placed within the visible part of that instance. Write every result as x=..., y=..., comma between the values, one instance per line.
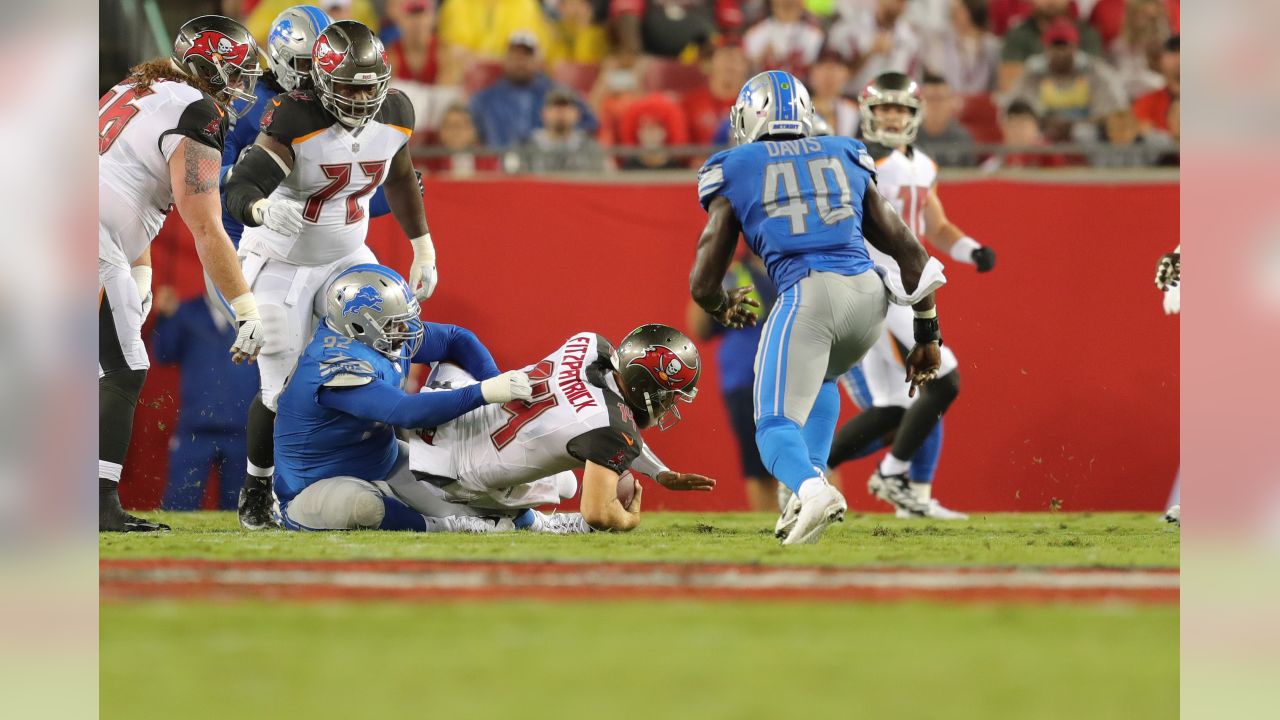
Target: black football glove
x=984, y=258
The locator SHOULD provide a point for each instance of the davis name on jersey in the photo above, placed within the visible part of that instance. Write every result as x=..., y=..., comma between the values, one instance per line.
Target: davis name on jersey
x=138, y=132
x=799, y=202
x=904, y=179
x=577, y=415
x=335, y=171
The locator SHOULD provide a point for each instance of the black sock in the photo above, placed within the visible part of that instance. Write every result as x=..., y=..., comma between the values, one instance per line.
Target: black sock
x=935, y=397
x=854, y=436
x=260, y=434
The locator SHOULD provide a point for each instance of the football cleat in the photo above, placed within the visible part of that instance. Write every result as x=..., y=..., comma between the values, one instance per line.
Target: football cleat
x=113, y=518
x=554, y=524
x=896, y=490
x=256, y=504
x=790, y=513
x=827, y=506
x=935, y=511
x=478, y=525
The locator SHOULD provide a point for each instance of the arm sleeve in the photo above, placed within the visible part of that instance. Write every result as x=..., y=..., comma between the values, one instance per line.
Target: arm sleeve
x=459, y=346
x=255, y=176
x=380, y=401
x=648, y=463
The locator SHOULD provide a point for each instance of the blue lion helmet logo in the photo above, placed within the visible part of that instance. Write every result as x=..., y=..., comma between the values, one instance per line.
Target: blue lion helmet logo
x=365, y=297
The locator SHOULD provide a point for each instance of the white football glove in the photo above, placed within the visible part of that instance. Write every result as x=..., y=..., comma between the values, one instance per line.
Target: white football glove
x=142, y=277
x=282, y=216
x=422, y=275
x=510, y=385
x=1173, y=300
x=249, y=332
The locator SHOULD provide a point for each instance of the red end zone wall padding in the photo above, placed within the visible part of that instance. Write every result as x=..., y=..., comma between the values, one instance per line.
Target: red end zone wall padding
x=1069, y=369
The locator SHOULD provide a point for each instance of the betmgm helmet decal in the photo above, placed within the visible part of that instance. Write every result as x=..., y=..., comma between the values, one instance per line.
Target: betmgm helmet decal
x=293, y=35
x=348, y=56
x=773, y=103
x=373, y=304
x=891, y=88
x=659, y=366
x=220, y=51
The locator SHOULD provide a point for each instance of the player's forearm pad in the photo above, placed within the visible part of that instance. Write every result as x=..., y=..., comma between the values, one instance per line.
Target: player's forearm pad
x=256, y=175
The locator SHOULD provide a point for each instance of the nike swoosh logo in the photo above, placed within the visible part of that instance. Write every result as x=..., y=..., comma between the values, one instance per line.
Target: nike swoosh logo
x=276, y=103
x=627, y=438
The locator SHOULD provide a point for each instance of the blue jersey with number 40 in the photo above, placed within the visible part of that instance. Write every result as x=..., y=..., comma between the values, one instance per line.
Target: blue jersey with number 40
x=799, y=202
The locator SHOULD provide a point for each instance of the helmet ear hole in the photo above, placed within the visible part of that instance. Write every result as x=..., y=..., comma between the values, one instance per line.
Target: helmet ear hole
x=358, y=328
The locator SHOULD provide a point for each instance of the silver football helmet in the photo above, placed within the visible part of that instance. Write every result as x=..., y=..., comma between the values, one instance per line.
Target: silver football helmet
x=771, y=103
x=351, y=73
x=659, y=366
x=891, y=88
x=293, y=34
x=373, y=304
x=223, y=53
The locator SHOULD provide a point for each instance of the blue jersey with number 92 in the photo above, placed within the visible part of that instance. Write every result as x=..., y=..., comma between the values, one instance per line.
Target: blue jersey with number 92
x=799, y=202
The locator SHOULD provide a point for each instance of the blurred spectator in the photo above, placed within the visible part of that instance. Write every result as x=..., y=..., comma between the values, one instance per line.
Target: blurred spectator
x=1120, y=131
x=827, y=80
x=1004, y=15
x=876, y=39
x=576, y=37
x=786, y=40
x=480, y=29
x=1071, y=90
x=735, y=359
x=941, y=134
x=560, y=144
x=1153, y=109
x=1135, y=53
x=214, y=396
x=414, y=54
x=507, y=111
x=653, y=124
x=708, y=106
x=930, y=17
x=1020, y=128
x=1025, y=40
x=965, y=52
x=259, y=20
x=671, y=28
x=459, y=137
x=617, y=86
x=1108, y=17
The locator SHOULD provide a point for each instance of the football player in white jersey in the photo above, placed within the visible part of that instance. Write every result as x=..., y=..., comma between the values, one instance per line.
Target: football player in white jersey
x=160, y=136
x=908, y=179
x=302, y=191
x=588, y=408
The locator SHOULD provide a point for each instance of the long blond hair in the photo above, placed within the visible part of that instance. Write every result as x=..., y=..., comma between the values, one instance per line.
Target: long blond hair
x=141, y=76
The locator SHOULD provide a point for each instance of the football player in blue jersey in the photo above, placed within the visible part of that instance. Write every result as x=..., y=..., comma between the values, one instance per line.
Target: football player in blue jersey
x=289, y=43
x=807, y=206
x=337, y=455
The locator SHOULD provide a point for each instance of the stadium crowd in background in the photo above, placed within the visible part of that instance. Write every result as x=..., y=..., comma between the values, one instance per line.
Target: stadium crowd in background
x=647, y=76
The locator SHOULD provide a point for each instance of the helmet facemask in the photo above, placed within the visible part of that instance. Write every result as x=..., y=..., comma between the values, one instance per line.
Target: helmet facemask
x=350, y=107
x=875, y=96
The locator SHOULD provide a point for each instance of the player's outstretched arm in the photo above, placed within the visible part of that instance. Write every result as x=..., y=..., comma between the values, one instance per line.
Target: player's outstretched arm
x=715, y=253
x=457, y=345
x=193, y=173
x=650, y=464
x=600, y=506
x=946, y=236
x=404, y=196
x=379, y=401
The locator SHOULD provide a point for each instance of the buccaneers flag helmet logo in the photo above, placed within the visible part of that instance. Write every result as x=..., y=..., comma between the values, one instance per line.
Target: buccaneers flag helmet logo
x=208, y=43
x=666, y=367
x=325, y=56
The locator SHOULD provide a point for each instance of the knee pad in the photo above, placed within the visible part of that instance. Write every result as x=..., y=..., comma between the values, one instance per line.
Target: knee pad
x=125, y=383
x=367, y=511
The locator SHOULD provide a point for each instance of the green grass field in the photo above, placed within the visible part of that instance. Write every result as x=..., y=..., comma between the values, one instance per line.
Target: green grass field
x=654, y=659
x=1097, y=539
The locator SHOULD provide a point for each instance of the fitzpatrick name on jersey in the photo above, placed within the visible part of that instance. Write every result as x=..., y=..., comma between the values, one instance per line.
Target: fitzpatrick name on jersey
x=335, y=172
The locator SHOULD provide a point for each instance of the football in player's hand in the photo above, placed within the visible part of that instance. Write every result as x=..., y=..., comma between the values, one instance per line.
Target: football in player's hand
x=626, y=488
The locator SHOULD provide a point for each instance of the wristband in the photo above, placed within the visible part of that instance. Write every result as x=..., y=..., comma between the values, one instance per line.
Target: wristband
x=927, y=331
x=962, y=250
x=424, y=248
x=929, y=314
x=245, y=307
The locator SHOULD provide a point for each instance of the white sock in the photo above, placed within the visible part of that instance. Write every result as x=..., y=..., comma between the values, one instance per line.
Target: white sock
x=810, y=487
x=262, y=472
x=109, y=470
x=922, y=491
x=893, y=466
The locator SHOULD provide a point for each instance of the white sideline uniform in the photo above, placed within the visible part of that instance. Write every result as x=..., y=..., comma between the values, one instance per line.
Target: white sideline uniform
x=905, y=182
x=521, y=455
x=138, y=133
x=335, y=172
